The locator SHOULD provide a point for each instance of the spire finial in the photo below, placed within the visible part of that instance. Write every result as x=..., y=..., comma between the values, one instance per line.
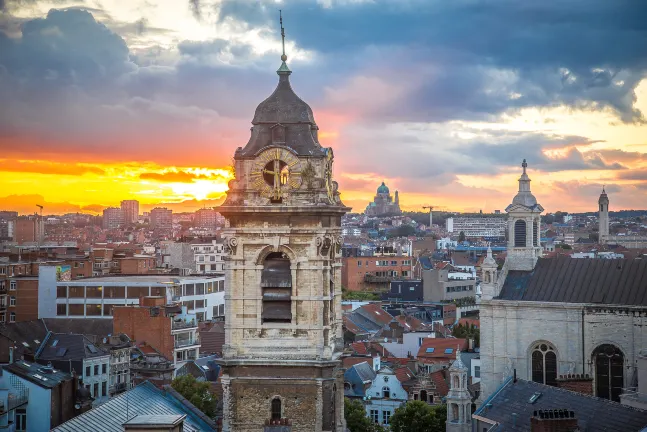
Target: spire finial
x=524, y=165
x=603, y=189
x=283, y=56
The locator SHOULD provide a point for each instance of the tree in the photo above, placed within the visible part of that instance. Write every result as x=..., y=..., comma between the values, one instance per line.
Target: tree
x=356, y=420
x=467, y=332
x=197, y=393
x=418, y=416
x=461, y=236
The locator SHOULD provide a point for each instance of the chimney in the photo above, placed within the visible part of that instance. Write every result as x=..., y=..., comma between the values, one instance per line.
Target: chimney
x=555, y=420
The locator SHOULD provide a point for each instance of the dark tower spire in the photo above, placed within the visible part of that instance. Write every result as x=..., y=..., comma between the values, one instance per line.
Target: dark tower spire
x=284, y=69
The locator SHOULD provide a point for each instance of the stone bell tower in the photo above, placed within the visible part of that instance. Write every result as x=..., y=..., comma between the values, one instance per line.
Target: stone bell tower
x=603, y=219
x=283, y=334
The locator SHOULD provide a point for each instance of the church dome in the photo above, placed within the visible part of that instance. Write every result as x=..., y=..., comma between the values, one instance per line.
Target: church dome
x=524, y=197
x=383, y=189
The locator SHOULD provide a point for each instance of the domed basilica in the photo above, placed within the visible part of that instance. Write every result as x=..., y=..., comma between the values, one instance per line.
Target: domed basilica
x=383, y=204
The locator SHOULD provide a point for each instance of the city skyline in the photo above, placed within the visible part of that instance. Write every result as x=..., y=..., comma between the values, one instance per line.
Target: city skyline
x=157, y=99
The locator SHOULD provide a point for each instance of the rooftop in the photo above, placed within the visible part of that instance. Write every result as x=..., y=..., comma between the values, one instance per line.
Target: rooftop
x=65, y=346
x=157, y=420
x=158, y=279
x=560, y=279
x=143, y=400
x=593, y=414
x=37, y=373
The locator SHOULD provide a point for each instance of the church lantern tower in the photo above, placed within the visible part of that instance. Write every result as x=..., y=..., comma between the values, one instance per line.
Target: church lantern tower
x=459, y=401
x=489, y=283
x=283, y=333
x=603, y=231
x=524, y=217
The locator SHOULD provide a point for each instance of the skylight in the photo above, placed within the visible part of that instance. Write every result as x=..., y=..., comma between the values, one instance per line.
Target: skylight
x=55, y=343
x=449, y=350
x=430, y=350
x=25, y=344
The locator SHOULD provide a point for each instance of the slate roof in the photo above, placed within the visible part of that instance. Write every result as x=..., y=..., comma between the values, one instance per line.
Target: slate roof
x=425, y=263
x=62, y=346
x=593, y=414
x=212, y=337
x=145, y=399
x=603, y=281
x=359, y=376
x=37, y=374
x=374, y=313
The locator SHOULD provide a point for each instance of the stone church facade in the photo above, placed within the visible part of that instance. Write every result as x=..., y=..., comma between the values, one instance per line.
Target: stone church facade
x=549, y=318
x=283, y=333
x=383, y=203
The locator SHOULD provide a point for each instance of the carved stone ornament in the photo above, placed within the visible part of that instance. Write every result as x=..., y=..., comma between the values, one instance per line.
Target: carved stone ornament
x=339, y=241
x=231, y=244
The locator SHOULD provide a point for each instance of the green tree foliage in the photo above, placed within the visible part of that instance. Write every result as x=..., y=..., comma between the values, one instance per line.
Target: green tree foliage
x=467, y=332
x=418, y=416
x=402, y=231
x=197, y=393
x=563, y=246
x=359, y=295
x=461, y=236
x=356, y=420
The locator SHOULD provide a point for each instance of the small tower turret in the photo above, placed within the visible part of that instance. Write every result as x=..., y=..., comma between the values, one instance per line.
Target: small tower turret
x=459, y=401
x=603, y=230
x=489, y=281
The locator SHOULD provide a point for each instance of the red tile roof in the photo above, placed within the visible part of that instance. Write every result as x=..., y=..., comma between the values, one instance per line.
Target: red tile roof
x=359, y=347
x=377, y=314
x=410, y=323
x=351, y=326
x=439, y=346
x=438, y=378
x=350, y=361
x=403, y=374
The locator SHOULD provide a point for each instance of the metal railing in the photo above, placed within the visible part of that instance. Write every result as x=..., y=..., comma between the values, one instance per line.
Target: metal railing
x=176, y=325
x=186, y=343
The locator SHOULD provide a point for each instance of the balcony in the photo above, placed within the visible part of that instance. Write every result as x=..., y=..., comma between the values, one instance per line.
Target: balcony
x=179, y=325
x=118, y=388
x=184, y=343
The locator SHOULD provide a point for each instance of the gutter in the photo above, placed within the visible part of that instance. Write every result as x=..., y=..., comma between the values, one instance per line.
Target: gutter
x=479, y=411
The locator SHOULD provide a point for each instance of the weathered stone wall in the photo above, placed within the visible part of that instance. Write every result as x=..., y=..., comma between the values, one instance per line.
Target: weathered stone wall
x=510, y=329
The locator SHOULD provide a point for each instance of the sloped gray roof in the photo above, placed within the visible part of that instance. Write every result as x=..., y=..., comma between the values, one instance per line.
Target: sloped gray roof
x=62, y=346
x=568, y=280
x=593, y=414
x=144, y=399
x=364, y=371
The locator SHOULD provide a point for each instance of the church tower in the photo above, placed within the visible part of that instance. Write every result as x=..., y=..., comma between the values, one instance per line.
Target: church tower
x=459, y=401
x=283, y=334
x=524, y=216
x=603, y=230
x=489, y=270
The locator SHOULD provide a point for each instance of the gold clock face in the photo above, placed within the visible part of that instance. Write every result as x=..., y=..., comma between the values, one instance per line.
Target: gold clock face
x=328, y=176
x=275, y=171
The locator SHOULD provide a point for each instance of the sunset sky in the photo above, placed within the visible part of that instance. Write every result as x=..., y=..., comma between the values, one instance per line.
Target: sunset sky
x=113, y=99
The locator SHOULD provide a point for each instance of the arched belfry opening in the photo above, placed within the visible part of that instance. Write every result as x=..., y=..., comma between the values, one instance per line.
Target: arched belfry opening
x=520, y=233
x=276, y=283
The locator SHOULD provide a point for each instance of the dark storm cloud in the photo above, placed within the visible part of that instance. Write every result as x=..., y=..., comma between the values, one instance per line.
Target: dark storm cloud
x=562, y=52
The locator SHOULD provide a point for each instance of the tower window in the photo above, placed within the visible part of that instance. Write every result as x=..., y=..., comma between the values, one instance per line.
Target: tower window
x=276, y=409
x=520, y=233
x=276, y=283
x=535, y=232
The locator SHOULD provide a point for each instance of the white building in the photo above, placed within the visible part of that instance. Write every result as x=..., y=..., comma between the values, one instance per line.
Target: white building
x=476, y=227
x=208, y=257
x=351, y=231
x=446, y=243
x=95, y=297
x=548, y=319
x=384, y=396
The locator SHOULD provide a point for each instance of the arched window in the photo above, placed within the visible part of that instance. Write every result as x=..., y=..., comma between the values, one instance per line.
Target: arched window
x=454, y=413
x=386, y=393
x=423, y=395
x=276, y=408
x=456, y=384
x=535, y=232
x=520, y=233
x=544, y=364
x=609, y=373
x=276, y=283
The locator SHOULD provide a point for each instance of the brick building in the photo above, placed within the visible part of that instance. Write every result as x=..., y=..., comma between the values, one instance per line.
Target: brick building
x=113, y=217
x=170, y=330
x=22, y=299
x=205, y=218
x=136, y=264
x=27, y=229
x=130, y=211
x=374, y=273
x=161, y=218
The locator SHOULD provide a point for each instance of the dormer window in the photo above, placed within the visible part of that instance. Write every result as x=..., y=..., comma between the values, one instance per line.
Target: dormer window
x=278, y=134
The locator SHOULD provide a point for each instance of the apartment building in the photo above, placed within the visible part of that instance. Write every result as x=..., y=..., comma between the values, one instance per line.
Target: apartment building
x=374, y=273
x=26, y=229
x=209, y=257
x=97, y=296
x=205, y=218
x=113, y=217
x=130, y=211
x=475, y=227
x=161, y=219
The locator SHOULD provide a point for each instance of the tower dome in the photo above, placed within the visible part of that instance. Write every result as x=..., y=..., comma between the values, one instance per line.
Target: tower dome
x=383, y=189
x=524, y=197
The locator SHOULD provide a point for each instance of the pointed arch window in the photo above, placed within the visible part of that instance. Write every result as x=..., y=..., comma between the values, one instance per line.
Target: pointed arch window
x=520, y=233
x=609, y=372
x=544, y=364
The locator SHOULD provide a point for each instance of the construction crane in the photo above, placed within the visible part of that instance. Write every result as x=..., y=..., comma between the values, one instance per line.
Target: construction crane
x=431, y=208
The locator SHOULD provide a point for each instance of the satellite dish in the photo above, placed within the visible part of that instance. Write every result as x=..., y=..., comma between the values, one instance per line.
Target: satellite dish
x=77, y=406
